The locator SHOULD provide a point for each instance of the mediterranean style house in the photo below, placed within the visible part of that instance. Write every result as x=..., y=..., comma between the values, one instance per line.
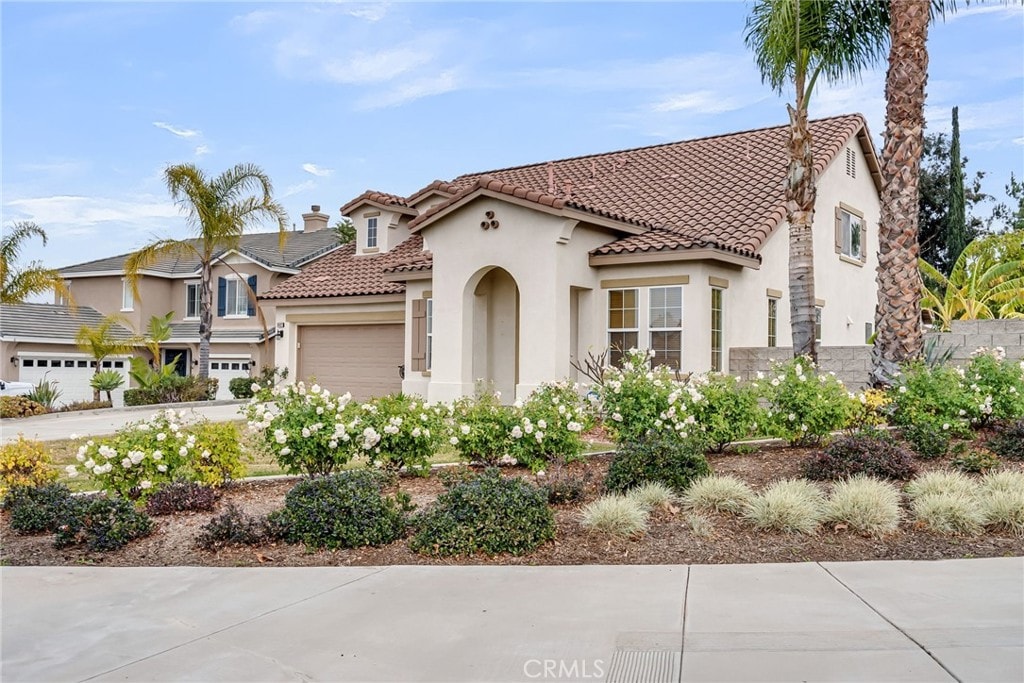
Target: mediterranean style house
x=508, y=276
x=38, y=339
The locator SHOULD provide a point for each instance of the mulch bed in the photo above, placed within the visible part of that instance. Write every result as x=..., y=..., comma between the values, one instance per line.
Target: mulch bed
x=670, y=539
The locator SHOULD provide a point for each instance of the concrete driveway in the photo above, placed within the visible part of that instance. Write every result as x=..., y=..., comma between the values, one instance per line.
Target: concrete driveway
x=55, y=426
x=862, y=621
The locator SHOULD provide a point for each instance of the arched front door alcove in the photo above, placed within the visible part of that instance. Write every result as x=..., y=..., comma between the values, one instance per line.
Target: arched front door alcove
x=492, y=308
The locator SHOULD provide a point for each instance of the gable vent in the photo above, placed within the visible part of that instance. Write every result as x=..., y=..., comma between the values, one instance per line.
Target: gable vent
x=851, y=163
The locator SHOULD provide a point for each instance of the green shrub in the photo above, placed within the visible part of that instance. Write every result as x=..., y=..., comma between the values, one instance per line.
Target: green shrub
x=636, y=399
x=928, y=438
x=25, y=463
x=487, y=514
x=563, y=487
x=868, y=506
x=652, y=496
x=995, y=386
x=181, y=496
x=718, y=493
x=725, y=409
x=482, y=429
x=930, y=394
x=37, y=509
x=173, y=389
x=241, y=387
x=219, y=458
x=305, y=430
x=974, y=460
x=672, y=462
x=803, y=405
x=102, y=524
x=234, y=527
x=19, y=406
x=1008, y=440
x=550, y=424
x=247, y=387
x=616, y=515
x=872, y=453
x=942, y=483
x=949, y=513
x=790, y=505
x=84, y=405
x=343, y=510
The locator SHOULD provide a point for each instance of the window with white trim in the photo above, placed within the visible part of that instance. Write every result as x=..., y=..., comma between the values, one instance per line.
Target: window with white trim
x=665, y=324
x=852, y=227
x=371, y=232
x=236, y=297
x=193, y=291
x=716, y=329
x=623, y=322
x=127, y=296
x=773, y=321
x=430, y=333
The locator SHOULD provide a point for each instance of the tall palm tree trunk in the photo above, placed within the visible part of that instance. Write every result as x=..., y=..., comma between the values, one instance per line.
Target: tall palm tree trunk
x=205, y=319
x=801, y=193
x=898, y=314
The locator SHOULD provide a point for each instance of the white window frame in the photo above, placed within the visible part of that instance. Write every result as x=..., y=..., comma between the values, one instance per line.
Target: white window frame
x=127, y=296
x=199, y=294
x=773, y=322
x=241, y=287
x=717, y=352
x=371, y=232
x=643, y=329
x=430, y=333
x=651, y=329
x=613, y=355
x=850, y=223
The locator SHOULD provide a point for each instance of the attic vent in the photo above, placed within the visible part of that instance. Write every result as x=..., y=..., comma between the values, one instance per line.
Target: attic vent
x=851, y=163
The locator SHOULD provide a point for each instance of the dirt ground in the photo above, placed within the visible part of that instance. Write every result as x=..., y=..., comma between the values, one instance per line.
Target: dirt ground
x=669, y=540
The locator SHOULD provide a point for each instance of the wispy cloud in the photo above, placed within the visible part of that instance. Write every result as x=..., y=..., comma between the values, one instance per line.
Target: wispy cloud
x=202, y=150
x=700, y=101
x=174, y=130
x=375, y=67
x=55, y=167
x=317, y=170
x=1007, y=11
x=76, y=214
x=374, y=11
x=298, y=188
x=446, y=81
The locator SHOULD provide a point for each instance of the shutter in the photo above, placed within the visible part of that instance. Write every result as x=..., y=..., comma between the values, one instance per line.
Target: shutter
x=839, y=230
x=419, y=335
x=222, y=293
x=252, y=295
x=863, y=241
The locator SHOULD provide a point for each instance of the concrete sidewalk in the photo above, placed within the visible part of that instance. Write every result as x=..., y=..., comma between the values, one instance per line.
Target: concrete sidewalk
x=54, y=426
x=862, y=621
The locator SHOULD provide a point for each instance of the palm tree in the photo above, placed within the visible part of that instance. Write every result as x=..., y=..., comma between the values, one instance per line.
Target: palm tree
x=795, y=42
x=16, y=284
x=219, y=210
x=987, y=281
x=102, y=341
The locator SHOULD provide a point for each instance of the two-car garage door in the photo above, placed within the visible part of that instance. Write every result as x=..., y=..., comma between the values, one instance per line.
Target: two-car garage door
x=363, y=360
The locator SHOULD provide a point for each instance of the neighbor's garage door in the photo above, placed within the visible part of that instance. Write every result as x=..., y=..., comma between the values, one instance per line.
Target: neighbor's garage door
x=72, y=373
x=360, y=359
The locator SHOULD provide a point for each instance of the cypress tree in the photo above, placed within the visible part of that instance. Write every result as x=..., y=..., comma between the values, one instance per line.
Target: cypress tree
x=957, y=236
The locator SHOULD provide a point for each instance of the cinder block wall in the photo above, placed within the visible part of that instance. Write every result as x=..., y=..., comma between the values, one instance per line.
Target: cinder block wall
x=852, y=363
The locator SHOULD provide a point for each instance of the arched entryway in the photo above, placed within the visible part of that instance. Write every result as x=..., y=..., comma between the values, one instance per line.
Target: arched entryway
x=492, y=308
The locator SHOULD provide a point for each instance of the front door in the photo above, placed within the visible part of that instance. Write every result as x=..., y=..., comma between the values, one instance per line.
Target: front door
x=182, y=364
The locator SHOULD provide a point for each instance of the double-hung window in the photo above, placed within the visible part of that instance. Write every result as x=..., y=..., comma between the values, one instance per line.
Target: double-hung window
x=665, y=323
x=236, y=298
x=623, y=322
x=851, y=234
x=716, y=329
x=193, y=291
x=127, y=296
x=371, y=232
x=773, y=321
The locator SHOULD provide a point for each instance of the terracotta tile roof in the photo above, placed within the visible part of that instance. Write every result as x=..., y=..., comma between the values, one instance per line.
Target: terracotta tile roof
x=382, y=198
x=416, y=263
x=667, y=240
x=343, y=273
x=440, y=186
x=725, y=190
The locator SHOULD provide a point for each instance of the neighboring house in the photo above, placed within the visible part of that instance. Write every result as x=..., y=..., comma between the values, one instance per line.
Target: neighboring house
x=241, y=341
x=507, y=276
x=37, y=342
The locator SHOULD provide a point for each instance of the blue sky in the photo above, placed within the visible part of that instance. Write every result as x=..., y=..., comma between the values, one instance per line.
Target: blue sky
x=334, y=98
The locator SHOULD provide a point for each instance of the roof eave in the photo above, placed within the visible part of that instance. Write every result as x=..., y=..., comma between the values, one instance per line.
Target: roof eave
x=409, y=275
x=668, y=255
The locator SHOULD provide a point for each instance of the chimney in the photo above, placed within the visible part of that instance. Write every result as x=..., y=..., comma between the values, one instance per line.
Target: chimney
x=314, y=220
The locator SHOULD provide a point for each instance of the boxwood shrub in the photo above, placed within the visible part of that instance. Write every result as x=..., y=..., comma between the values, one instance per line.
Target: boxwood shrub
x=38, y=509
x=873, y=453
x=671, y=461
x=102, y=524
x=344, y=510
x=486, y=514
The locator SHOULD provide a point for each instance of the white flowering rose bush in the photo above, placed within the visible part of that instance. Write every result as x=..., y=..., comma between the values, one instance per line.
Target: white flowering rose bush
x=397, y=431
x=635, y=399
x=549, y=426
x=722, y=407
x=306, y=429
x=483, y=430
x=803, y=404
x=142, y=456
x=935, y=396
x=995, y=386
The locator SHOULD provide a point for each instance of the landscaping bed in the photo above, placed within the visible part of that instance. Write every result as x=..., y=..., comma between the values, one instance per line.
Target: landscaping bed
x=669, y=539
